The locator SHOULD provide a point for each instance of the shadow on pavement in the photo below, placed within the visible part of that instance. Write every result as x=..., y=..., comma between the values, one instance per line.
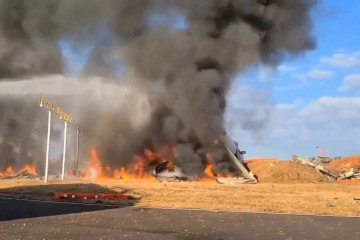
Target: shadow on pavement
x=33, y=201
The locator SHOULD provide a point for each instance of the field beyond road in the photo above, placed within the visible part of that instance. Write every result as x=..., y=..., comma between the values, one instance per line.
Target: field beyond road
x=300, y=198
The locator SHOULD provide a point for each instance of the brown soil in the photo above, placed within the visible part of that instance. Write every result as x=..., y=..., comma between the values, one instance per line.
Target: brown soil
x=344, y=164
x=279, y=171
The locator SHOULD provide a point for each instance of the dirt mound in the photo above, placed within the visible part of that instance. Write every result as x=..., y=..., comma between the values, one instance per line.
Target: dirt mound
x=279, y=171
x=344, y=164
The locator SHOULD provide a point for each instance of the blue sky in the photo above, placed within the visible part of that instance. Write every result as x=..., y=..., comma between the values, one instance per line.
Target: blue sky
x=337, y=29
x=308, y=101
x=311, y=100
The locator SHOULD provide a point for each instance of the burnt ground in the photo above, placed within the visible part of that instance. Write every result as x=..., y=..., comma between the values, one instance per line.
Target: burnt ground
x=46, y=220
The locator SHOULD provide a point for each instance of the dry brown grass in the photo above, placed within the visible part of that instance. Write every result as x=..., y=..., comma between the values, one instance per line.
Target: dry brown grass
x=311, y=198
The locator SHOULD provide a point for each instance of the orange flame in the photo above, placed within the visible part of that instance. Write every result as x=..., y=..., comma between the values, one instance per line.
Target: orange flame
x=141, y=164
x=9, y=171
x=95, y=167
x=209, y=169
x=209, y=172
x=30, y=169
x=137, y=169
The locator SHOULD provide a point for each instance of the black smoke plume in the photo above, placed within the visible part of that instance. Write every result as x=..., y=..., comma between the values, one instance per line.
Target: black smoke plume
x=176, y=80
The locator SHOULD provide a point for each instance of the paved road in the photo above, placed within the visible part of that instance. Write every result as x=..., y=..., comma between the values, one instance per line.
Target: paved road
x=68, y=221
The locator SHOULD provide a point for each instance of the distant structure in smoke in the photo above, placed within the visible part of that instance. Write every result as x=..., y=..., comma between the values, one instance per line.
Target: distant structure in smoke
x=184, y=74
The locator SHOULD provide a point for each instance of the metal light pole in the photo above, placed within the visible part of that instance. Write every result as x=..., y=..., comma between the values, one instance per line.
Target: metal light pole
x=67, y=118
x=47, y=148
x=77, y=148
x=64, y=152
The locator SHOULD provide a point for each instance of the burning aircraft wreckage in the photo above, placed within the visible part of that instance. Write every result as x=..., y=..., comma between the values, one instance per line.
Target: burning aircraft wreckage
x=168, y=171
x=154, y=165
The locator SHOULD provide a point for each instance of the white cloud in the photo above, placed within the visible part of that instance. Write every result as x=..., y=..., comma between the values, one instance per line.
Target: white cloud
x=330, y=109
x=342, y=60
x=265, y=73
x=314, y=74
x=289, y=106
x=323, y=69
x=320, y=74
x=286, y=68
x=300, y=76
x=296, y=129
x=351, y=82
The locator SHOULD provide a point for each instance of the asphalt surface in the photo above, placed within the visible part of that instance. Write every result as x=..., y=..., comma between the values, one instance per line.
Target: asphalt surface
x=45, y=220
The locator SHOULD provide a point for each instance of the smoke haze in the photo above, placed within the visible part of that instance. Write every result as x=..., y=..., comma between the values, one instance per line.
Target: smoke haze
x=175, y=81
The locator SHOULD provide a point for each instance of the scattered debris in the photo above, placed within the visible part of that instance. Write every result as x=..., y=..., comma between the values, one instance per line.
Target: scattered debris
x=164, y=178
x=21, y=175
x=165, y=165
x=330, y=205
x=342, y=164
x=317, y=164
x=238, y=180
x=167, y=171
x=247, y=174
x=352, y=174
